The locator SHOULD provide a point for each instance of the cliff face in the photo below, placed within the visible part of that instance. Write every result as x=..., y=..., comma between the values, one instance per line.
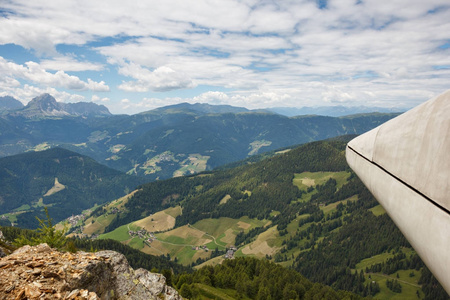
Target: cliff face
x=40, y=272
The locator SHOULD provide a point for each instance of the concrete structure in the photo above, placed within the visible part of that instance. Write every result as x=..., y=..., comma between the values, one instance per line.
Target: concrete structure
x=405, y=163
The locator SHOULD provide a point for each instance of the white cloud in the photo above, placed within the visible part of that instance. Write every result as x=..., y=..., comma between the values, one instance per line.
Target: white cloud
x=28, y=92
x=97, y=99
x=265, y=53
x=33, y=72
x=66, y=63
x=160, y=80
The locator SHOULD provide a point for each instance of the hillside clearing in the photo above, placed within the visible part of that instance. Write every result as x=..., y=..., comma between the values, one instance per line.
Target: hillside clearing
x=160, y=221
x=57, y=187
x=308, y=179
x=260, y=247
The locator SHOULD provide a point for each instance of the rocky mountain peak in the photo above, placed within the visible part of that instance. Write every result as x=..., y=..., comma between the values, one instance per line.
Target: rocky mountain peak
x=46, y=105
x=44, y=101
x=9, y=103
x=40, y=272
x=42, y=106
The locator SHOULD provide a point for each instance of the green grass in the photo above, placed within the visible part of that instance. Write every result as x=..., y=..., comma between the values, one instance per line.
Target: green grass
x=377, y=210
x=373, y=260
x=136, y=243
x=409, y=284
x=184, y=255
x=40, y=203
x=171, y=239
x=380, y=258
x=119, y=234
x=212, y=245
x=408, y=290
x=23, y=207
x=331, y=207
x=209, y=292
x=11, y=217
x=215, y=227
x=320, y=178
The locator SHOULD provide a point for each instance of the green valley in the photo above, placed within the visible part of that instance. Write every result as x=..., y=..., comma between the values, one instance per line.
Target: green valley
x=303, y=209
x=176, y=140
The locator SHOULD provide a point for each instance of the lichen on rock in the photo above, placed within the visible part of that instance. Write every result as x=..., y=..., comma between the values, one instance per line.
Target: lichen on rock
x=40, y=272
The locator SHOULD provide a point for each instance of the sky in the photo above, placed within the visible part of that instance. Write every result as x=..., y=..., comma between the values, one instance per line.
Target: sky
x=134, y=56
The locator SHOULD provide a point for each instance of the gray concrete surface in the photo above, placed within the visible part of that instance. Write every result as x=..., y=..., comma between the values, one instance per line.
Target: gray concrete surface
x=405, y=163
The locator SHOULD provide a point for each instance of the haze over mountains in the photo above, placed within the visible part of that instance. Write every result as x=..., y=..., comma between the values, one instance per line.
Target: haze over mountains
x=169, y=141
x=299, y=206
x=332, y=111
x=47, y=106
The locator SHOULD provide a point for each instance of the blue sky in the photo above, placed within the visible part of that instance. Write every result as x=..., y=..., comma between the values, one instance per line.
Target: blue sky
x=134, y=56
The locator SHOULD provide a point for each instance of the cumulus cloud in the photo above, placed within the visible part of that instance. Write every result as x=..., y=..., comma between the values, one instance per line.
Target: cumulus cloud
x=33, y=72
x=97, y=99
x=67, y=63
x=27, y=92
x=160, y=80
x=264, y=53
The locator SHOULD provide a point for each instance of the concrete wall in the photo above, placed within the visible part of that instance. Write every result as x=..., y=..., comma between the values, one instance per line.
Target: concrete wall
x=405, y=163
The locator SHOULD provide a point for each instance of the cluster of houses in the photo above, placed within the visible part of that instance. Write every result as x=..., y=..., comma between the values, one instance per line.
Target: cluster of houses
x=143, y=234
x=203, y=247
x=230, y=253
x=73, y=220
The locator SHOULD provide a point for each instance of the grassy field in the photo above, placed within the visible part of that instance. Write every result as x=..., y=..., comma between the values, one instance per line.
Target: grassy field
x=160, y=221
x=307, y=179
x=265, y=244
x=331, y=207
x=378, y=210
x=209, y=292
x=217, y=227
x=409, y=290
x=57, y=187
x=186, y=242
x=257, y=145
x=195, y=163
x=120, y=233
x=409, y=283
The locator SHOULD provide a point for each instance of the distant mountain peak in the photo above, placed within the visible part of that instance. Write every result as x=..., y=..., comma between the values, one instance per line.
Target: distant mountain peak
x=200, y=108
x=8, y=103
x=46, y=105
x=331, y=111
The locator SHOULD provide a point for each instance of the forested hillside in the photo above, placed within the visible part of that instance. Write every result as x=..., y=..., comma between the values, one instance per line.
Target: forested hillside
x=65, y=181
x=170, y=141
x=302, y=208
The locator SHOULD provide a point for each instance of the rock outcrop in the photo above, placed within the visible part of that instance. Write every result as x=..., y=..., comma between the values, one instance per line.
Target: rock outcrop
x=40, y=272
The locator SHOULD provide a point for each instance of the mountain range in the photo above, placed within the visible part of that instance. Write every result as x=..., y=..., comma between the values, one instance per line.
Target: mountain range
x=298, y=206
x=8, y=103
x=47, y=106
x=169, y=141
x=332, y=111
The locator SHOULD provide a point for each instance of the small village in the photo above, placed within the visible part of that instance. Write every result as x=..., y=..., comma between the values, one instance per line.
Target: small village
x=143, y=234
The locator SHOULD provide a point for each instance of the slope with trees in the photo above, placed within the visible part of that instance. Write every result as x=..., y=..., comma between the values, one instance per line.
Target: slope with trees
x=65, y=181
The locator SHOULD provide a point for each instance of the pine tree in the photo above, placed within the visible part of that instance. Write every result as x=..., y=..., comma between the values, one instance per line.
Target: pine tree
x=46, y=233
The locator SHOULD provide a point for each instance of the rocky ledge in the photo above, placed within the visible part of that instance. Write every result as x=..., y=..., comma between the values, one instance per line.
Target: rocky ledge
x=40, y=272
